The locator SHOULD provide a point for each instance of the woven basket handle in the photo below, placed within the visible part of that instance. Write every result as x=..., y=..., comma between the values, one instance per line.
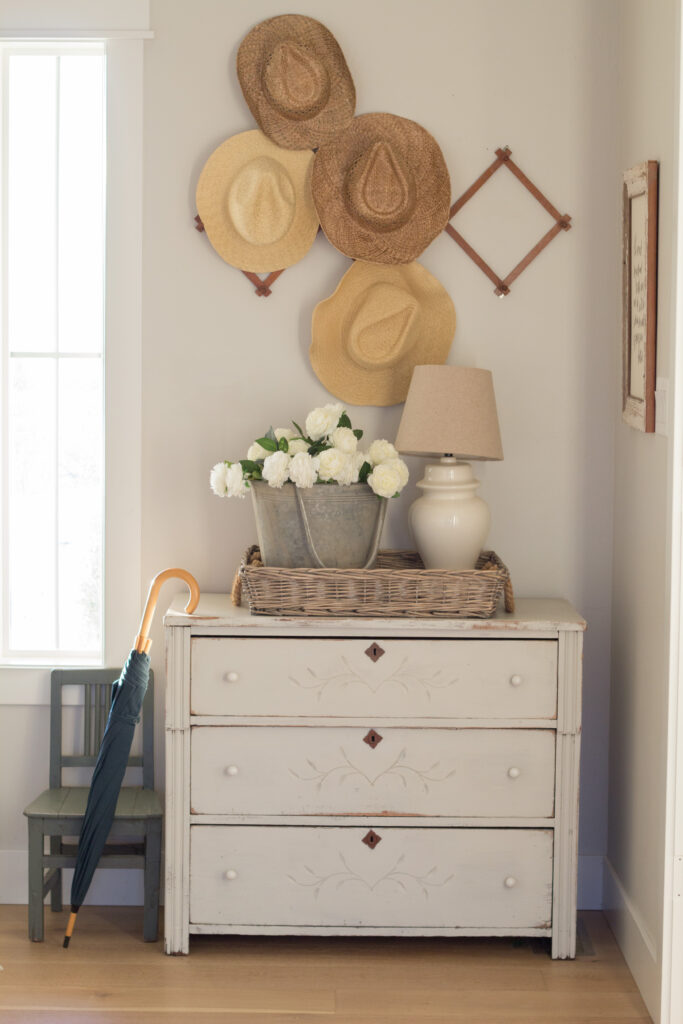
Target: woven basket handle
x=374, y=543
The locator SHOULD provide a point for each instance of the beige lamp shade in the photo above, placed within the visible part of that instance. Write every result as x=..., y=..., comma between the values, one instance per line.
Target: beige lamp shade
x=450, y=410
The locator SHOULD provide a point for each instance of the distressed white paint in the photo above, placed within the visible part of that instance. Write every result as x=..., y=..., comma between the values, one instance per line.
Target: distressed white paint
x=298, y=782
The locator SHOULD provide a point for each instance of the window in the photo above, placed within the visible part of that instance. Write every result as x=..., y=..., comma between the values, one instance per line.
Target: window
x=53, y=268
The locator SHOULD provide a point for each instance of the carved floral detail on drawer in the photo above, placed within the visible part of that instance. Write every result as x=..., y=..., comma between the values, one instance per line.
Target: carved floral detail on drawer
x=399, y=768
x=407, y=881
x=405, y=677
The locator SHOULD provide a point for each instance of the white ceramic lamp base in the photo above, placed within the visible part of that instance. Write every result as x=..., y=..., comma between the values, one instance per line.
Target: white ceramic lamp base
x=450, y=522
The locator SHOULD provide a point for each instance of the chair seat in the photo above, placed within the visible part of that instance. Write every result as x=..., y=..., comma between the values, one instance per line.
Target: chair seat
x=70, y=802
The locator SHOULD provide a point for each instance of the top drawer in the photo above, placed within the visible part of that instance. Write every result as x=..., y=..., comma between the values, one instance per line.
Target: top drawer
x=490, y=679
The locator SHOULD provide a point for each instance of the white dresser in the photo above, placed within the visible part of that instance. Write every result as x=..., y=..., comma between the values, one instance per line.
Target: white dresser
x=372, y=776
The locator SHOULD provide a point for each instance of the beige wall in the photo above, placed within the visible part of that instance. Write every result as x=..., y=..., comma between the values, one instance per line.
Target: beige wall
x=638, y=725
x=220, y=365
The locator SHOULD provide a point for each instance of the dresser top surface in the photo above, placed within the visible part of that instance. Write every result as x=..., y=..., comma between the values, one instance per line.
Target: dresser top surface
x=216, y=612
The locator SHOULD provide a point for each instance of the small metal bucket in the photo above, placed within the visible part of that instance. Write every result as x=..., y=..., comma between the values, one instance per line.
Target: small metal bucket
x=326, y=526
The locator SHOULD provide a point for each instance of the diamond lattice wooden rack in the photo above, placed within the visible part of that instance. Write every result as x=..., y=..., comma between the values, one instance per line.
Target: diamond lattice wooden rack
x=562, y=222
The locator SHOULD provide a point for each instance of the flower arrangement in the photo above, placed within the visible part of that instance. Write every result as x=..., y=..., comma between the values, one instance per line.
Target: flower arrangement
x=326, y=452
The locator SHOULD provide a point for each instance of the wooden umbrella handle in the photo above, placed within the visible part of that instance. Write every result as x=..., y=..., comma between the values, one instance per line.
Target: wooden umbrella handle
x=142, y=640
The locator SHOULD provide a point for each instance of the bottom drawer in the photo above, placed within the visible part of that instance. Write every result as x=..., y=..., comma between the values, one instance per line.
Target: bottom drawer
x=407, y=877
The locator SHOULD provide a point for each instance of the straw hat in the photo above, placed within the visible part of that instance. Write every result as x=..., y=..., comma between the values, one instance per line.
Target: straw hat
x=295, y=81
x=381, y=189
x=255, y=203
x=376, y=327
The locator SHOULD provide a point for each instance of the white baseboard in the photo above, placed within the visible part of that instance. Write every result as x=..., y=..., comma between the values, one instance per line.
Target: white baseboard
x=114, y=887
x=637, y=943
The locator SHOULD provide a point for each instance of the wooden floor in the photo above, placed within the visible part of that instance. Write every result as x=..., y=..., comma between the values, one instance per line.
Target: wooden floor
x=109, y=975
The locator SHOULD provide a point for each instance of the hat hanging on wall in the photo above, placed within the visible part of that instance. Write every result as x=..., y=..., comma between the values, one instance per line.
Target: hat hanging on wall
x=381, y=188
x=295, y=81
x=255, y=203
x=376, y=327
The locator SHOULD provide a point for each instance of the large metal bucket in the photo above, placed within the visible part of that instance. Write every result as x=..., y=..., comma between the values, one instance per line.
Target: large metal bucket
x=326, y=526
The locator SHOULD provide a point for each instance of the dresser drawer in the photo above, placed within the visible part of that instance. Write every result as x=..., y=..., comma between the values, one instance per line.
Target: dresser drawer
x=408, y=878
x=395, y=678
x=445, y=772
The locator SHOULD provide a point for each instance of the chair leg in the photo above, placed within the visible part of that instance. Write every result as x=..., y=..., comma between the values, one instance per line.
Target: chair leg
x=56, y=887
x=35, y=880
x=152, y=879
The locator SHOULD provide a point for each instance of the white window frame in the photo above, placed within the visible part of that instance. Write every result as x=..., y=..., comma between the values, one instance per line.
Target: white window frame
x=122, y=25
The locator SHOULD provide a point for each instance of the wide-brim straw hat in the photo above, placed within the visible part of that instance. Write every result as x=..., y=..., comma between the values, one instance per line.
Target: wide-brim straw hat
x=382, y=189
x=295, y=81
x=255, y=203
x=380, y=323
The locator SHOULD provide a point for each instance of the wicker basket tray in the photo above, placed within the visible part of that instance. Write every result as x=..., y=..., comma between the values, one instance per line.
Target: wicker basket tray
x=398, y=586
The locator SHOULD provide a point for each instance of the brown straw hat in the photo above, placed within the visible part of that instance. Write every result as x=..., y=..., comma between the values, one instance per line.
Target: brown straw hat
x=381, y=189
x=295, y=81
x=255, y=203
x=376, y=327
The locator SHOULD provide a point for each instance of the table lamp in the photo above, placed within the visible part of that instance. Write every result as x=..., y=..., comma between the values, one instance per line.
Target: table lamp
x=450, y=412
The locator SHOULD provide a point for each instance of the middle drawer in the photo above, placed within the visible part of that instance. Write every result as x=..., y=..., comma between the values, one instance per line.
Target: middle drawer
x=307, y=770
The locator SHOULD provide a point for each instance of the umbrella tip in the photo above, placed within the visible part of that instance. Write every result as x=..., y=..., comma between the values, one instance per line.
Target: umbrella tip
x=70, y=927
x=67, y=940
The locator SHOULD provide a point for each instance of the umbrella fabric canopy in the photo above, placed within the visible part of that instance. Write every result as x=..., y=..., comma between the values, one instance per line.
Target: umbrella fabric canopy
x=128, y=694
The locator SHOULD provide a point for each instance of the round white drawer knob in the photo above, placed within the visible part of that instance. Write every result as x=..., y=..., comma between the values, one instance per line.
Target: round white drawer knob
x=515, y=680
x=514, y=773
x=231, y=875
x=510, y=882
x=232, y=677
x=232, y=769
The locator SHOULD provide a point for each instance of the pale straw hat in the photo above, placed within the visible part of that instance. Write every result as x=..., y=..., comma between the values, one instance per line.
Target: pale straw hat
x=376, y=327
x=295, y=81
x=381, y=188
x=255, y=203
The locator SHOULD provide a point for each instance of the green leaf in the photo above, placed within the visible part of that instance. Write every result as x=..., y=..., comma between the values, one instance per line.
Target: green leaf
x=249, y=466
x=269, y=443
x=344, y=420
x=358, y=433
x=298, y=428
x=365, y=471
x=271, y=434
x=283, y=444
x=318, y=447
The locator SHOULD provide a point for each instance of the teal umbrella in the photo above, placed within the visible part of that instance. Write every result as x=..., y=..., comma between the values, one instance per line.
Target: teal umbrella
x=128, y=693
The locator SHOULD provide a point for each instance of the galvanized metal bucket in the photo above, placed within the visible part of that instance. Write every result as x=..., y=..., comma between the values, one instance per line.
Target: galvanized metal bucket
x=326, y=526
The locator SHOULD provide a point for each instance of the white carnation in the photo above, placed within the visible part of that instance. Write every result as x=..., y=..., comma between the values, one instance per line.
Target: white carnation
x=331, y=463
x=379, y=451
x=218, y=479
x=285, y=432
x=256, y=452
x=385, y=480
x=297, y=445
x=401, y=468
x=348, y=474
x=276, y=469
x=344, y=439
x=303, y=469
x=234, y=482
x=321, y=422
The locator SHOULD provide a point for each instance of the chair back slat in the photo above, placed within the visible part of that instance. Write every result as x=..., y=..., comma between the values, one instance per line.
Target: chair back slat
x=98, y=689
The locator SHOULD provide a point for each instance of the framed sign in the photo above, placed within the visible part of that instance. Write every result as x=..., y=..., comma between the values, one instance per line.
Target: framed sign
x=640, y=295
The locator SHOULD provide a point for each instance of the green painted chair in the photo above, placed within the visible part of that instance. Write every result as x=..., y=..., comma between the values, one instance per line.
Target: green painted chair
x=58, y=811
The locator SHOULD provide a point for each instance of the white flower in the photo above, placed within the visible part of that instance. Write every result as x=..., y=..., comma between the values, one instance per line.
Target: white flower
x=297, y=445
x=348, y=473
x=331, y=463
x=344, y=439
x=303, y=469
x=218, y=479
x=321, y=422
x=256, y=452
x=385, y=480
x=401, y=468
x=235, y=483
x=276, y=469
x=379, y=451
x=285, y=432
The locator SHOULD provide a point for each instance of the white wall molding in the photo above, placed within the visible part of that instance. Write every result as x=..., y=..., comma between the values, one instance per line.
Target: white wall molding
x=634, y=937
